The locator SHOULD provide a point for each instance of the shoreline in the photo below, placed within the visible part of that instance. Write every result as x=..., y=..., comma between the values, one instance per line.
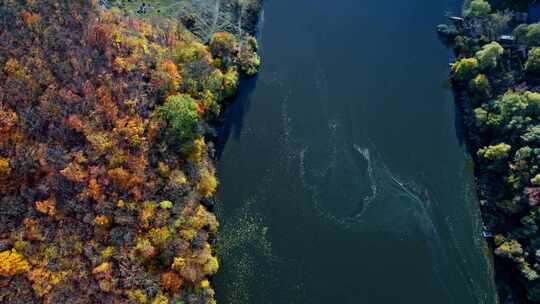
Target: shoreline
x=493, y=90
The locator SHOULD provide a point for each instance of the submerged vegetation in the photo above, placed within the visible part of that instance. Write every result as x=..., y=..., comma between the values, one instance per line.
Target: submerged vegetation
x=496, y=79
x=104, y=152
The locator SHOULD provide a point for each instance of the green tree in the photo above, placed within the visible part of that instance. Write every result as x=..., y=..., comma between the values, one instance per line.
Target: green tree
x=230, y=82
x=489, y=55
x=511, y=104
x=536, y=180
x=465, y=69
x=529, y=273
x=498, y=23
x=520, y=33
x=523, y=153
x=481, y=116
x=496, y=152
x=533, y=103
x=477, y=8
x=480, y=87
x=180, y=113
x=533, y=61
x=532, y=37
x=532, y=135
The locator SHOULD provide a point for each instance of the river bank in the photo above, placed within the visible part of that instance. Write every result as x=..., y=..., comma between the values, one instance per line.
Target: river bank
x=495, y=79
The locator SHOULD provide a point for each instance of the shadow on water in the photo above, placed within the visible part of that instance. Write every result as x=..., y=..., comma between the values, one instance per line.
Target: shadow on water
x=232, y=121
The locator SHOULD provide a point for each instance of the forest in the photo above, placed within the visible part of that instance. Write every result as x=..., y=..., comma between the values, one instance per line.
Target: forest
x=496, y=80
x=106, y=154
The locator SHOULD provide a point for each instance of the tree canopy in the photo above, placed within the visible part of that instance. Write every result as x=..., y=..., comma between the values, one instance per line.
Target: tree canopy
x=478, y=8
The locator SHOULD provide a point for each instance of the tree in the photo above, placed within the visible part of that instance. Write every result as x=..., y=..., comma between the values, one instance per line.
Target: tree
x=498, y=23
x=248, y=58
x=533, y=102
x=489, y=55
x=532, y=135
x=511, y=104
x=12, y=263
x=536, y=180
x=520, y=33
x=230, y=83
x=477, y=8
x=509, y=249
x=496, y=152
x=207, y=183
x=533, y=61
x=532, y=37
x=480, y=87
x=180, y=112
x=465, y=69
x=223, y=45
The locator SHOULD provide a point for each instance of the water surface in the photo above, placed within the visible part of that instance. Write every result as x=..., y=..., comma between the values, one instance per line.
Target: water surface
x=342, y=177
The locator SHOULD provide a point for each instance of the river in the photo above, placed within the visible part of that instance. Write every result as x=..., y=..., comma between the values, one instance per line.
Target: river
x=343, y=179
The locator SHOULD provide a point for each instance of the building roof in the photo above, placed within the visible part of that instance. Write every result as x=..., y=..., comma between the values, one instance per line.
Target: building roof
x=507, y=38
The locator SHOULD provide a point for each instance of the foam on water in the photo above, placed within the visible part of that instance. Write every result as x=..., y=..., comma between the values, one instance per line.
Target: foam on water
x=405, y=204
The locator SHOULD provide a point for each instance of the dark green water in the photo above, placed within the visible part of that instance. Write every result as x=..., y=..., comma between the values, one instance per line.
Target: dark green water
x=342, y=177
